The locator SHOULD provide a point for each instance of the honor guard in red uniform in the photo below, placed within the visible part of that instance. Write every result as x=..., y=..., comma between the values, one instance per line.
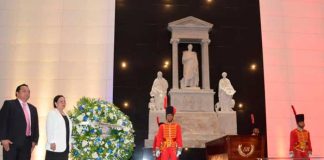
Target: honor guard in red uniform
x=300, y=143
x=169, y=138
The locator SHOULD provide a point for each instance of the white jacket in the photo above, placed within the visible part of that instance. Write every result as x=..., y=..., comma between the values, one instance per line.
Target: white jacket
x=56, y=131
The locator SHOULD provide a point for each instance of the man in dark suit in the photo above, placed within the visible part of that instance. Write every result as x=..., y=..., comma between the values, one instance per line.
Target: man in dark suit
x=18, y=126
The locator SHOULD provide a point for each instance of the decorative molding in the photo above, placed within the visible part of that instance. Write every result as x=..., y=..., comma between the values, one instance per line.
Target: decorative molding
x=203, y=41
x=190, y=22
x=174, y=40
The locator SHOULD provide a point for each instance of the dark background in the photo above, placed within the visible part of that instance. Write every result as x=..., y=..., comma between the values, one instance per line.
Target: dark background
x=143, y=41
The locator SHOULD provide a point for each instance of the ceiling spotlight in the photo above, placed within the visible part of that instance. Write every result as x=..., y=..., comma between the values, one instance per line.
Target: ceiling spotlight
x=209, y=1
x=240, y=105
x=123, y=64
x=168, y=5
x=166, y=64
x=253, y=66
x=126, y=104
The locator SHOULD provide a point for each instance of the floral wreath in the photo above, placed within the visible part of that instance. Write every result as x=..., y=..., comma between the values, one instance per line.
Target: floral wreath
x=100, y=131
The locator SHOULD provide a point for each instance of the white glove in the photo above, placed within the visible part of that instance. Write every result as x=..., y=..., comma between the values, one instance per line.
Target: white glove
x=157, y=153
x=178, y=152
x=291, y=154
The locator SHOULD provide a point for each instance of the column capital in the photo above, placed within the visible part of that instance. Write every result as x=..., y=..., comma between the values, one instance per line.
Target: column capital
x=174, y=40
x=203, y=41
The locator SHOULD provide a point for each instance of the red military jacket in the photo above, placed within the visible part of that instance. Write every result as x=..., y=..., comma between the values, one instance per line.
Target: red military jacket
x=169, y=135
x=300, y=141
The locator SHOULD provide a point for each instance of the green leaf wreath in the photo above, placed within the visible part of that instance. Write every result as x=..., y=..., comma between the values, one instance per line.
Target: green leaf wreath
x=101, y=131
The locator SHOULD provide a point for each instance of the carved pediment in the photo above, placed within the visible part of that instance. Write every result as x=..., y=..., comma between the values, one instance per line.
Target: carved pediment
x=190, y=22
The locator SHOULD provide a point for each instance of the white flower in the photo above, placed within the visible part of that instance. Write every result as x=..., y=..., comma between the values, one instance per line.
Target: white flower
x=80, y=117
x=110, y=115
x=126, y=129
x=94, y=155
x=79, y=129
x=120, y=122
x=84, y=143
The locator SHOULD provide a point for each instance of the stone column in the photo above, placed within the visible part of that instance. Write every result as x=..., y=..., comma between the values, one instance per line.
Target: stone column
x=205, y=64
x=175, y=70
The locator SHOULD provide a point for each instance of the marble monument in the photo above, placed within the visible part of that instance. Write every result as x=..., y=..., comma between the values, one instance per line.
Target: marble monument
x=194, y=102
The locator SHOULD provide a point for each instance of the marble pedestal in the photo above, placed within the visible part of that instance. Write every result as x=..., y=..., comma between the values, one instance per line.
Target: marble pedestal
x=197, y=127
x=228, y=124
x=192, y=99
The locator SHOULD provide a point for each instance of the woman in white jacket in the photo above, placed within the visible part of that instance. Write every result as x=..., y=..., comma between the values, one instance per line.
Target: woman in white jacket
x=58, y=130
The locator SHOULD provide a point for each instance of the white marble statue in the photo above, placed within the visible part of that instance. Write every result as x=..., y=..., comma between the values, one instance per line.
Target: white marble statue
x=225, y=95
x=151, y=105
x=190, y=68
x=159, y=91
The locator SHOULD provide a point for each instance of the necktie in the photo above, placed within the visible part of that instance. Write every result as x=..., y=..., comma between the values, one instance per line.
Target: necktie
x=28, y=129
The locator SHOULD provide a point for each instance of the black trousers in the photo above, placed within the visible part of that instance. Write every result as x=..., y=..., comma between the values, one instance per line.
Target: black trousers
x=19, y=152
x=57, y=155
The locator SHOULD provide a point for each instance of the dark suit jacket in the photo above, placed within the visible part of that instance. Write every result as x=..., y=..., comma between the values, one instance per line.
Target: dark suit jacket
x=13, y=123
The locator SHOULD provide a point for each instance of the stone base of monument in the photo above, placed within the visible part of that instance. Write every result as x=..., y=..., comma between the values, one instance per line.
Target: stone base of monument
x=192, y=99
x=228, y=125
x=197, y=127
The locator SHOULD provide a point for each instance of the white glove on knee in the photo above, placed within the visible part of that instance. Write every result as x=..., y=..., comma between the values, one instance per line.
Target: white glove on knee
x=291, y=154
x=179, y=152
x=157, y=153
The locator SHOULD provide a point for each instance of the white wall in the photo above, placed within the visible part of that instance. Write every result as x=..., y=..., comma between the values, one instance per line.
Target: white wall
x=293, y=51
x=56, y=47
